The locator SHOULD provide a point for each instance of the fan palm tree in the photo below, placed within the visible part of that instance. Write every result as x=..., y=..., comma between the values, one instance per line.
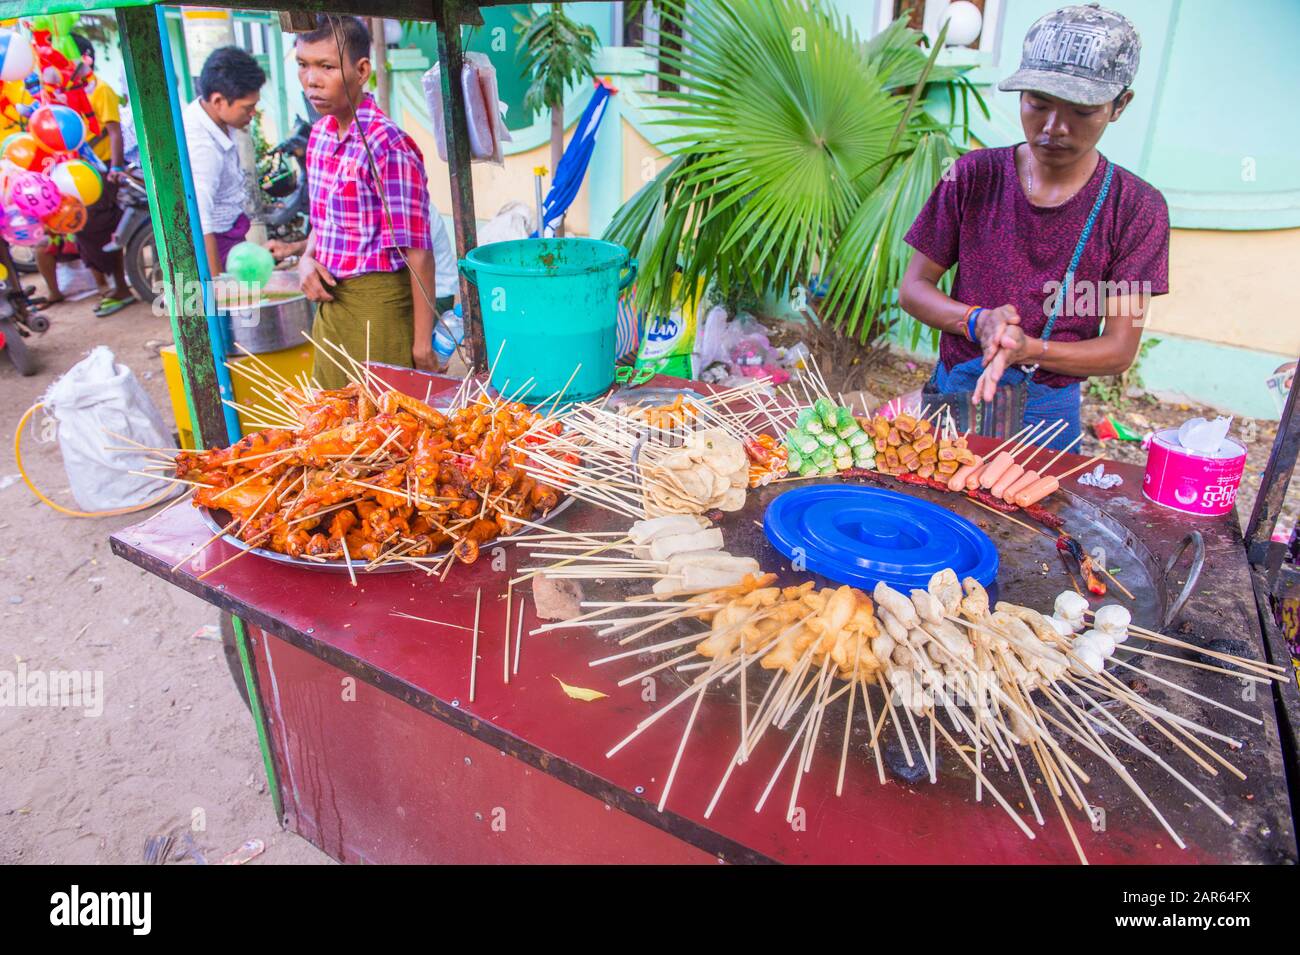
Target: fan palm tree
x=797, y=149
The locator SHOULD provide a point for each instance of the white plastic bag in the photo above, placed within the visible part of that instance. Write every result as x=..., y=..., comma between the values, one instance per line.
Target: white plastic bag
x=483, y=109
x=95, y=396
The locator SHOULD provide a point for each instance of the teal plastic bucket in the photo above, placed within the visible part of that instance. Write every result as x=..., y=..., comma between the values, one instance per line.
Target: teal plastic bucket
x=554, y=303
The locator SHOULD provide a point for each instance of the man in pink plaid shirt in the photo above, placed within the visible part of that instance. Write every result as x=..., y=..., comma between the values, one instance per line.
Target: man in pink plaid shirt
x=369, y=260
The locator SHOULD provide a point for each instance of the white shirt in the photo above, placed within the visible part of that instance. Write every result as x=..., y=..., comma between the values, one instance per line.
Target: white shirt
x=219, y=185
x=446, y=273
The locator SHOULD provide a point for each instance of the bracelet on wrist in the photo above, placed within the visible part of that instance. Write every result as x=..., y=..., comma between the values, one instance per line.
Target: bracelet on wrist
x=972, y=315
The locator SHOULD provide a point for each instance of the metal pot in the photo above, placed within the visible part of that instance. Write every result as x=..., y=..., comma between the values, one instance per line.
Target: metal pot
x=271, y=325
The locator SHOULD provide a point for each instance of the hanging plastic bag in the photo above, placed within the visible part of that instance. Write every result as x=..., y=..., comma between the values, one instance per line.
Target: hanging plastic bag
x=94, y=397
x=483, y=109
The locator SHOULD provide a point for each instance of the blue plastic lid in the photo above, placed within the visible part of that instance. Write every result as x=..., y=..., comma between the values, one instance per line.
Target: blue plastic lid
x=860, y=535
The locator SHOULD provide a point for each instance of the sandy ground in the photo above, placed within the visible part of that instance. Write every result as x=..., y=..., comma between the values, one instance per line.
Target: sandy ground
x=175, y=749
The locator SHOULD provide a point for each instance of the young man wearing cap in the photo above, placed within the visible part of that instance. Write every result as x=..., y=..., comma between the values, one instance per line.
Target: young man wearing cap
x=230, y=85
x=1050, y=237
x=368, y=261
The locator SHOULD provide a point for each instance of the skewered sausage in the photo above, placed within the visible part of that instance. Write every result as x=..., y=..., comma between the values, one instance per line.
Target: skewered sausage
x=1009, y=477
x=1037, y=491
x=996, y=468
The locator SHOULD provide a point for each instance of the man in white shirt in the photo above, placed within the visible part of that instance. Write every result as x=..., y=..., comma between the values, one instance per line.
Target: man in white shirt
x=229, y=88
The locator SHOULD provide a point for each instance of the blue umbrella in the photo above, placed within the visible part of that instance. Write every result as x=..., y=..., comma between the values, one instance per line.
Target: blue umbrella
x=577, y=156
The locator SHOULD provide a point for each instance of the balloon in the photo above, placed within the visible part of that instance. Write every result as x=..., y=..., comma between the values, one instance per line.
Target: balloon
x=16, y=56
x=57, y=128
x=68, y=218
x=63, y=22
x=24, y=151
x=249, y=262
x=35, y=194
x=16, y=228
x=39, y=22
x=80, y=179
x=8, y=173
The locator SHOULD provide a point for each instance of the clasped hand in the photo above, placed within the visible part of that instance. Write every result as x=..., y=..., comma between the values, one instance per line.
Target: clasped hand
x=1003, y=342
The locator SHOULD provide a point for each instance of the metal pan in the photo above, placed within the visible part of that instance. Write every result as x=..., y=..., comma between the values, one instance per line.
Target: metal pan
x=216, y=520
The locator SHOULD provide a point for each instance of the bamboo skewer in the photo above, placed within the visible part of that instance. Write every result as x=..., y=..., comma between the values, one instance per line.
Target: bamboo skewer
x=519, y=635
x=505, y=636
x=1260, y=666
x=473, y=657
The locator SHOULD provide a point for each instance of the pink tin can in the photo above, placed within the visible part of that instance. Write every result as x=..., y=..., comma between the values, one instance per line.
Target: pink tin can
x=1191, y=482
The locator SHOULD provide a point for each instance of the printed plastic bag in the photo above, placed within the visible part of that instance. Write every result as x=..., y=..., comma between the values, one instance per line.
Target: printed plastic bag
x=483, y=109
x=667, y=345
x=96, y=396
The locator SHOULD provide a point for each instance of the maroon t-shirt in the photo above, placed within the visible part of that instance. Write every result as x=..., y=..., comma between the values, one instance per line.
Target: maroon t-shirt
x=1009, y=252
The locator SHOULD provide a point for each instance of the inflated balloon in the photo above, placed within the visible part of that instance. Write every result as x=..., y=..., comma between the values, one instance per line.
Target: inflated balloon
x=35, y=194
x=17, y=228
x=68, y=218
x=16, y=55
x=57, y=128
x=8, y=173
x=24, y=151
x=64, y=23
x=249, y=262
x=80, y=179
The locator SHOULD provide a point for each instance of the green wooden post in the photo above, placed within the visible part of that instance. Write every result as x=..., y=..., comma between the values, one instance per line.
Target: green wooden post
x=174, y=239
x=160, y=156
x=451, y=54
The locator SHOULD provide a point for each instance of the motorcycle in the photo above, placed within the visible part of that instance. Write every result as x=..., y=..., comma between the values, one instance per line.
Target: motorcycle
x=134, y=236
x=286, y=216
x=17, y=321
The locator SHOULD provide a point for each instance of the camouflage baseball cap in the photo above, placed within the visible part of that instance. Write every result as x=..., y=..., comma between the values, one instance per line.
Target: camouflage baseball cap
x=1082, y=54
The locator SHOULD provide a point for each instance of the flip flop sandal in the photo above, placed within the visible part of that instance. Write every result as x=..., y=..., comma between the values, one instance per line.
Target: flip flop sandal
x=111, y=306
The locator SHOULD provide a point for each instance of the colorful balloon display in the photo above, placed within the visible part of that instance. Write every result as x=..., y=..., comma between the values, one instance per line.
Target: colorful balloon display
x=57, y=128
x=68, y=218
x=16, y=55
x=35, y=194
x=25, y=152
x=17, y=228
x=79, y=179
x=8, y=173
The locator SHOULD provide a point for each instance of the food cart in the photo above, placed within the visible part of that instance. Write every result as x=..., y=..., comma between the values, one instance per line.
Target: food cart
x=448, y=739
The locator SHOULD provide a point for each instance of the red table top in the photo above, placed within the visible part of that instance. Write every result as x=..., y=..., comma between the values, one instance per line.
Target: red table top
x=428, y=666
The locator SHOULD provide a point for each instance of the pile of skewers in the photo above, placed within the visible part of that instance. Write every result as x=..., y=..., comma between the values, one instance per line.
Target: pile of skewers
x=367, y=475
x=1000, y=685
x=640, y=472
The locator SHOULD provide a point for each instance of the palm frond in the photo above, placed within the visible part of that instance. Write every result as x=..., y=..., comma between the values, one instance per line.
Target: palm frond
x=868, y=264
x=798, y=147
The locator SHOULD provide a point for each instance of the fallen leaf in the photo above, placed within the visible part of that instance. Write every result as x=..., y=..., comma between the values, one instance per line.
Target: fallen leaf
x=579, y=692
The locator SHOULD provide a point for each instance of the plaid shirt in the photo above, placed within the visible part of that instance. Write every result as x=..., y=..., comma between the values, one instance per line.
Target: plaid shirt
x=353, y=236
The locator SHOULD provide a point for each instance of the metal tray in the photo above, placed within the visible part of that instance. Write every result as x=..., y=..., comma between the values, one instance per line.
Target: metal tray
x=215, y=522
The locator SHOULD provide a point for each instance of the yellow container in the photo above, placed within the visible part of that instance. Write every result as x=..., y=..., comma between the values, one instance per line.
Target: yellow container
x=289, y=362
